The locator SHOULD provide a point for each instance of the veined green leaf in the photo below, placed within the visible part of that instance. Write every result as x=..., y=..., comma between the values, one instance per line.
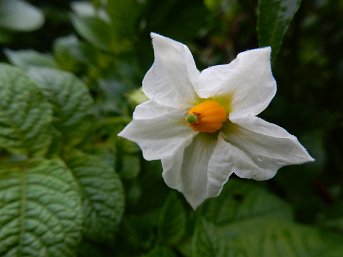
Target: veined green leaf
x=25, y=114
x=273, y=19
x=28, y=58
x=173, y=222
x=40, y=212
x=253, y=238
x=279, y=238
x=102, y=194
x=20, y=15
x=248, y=221
x=71, y=102
x=241, y=201
x=207, y=241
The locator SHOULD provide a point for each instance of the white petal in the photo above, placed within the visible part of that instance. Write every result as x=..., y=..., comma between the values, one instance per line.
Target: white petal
x=158, y=130
x=248, y=79
x=221, y=166
x=170, y=79
x=267, y=147
x=187, y=170
x=150, y=109
x=243, y=165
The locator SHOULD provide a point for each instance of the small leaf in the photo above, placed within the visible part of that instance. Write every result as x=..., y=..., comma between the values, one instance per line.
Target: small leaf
x=84, y=8
x=102, y=194
x=273, y=19
x=71, y=102
x=172, y=223
x=20, y=15
x=95, y=30
x=26, y=59
x=101, y=34
x=40, y=212
x=73, y=55
x=25, y=115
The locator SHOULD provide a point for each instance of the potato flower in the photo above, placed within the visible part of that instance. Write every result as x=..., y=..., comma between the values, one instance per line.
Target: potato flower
x=203, y=125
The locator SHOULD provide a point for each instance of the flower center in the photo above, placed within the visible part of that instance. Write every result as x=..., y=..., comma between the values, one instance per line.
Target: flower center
x=207, y=116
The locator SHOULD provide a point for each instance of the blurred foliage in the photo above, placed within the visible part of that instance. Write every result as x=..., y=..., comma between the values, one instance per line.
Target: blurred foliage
x=64, y=173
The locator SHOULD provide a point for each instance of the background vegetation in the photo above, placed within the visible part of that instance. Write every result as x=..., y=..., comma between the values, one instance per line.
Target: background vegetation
x=70, y=187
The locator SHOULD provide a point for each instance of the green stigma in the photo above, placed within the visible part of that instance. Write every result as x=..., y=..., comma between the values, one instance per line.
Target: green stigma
x=191, y=118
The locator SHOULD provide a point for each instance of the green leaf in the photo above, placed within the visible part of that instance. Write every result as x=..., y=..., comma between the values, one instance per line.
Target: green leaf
x=278, y=238
x=84, y=8
x=124, y=15
x=20, y=16
x=248, y=221
x=188, y=15
x=253, y=238
x=40, y=212
x=95, y=30
x=102, y=194
x=150, y=182
x=130, y=166
x=138, y=231
x=128, y=159
x=73, y=55
x=28, y=58
x=71, y=102
x=273, y=18
x=66, y=52
x=25, y=115
x=101, y=34
x=241, y=201
x=172, y=222
x=207, y=241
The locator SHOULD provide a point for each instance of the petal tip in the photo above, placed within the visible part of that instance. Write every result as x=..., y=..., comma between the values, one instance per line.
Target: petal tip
x=267, y=50
x=120, y=134
x=306, y=157
x=310, y=158
x=157, y=37
x=194, y=204
x=154, y=34
x=123, y=134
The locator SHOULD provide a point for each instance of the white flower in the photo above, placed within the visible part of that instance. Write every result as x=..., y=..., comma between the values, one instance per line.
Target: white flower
x=203, y=125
